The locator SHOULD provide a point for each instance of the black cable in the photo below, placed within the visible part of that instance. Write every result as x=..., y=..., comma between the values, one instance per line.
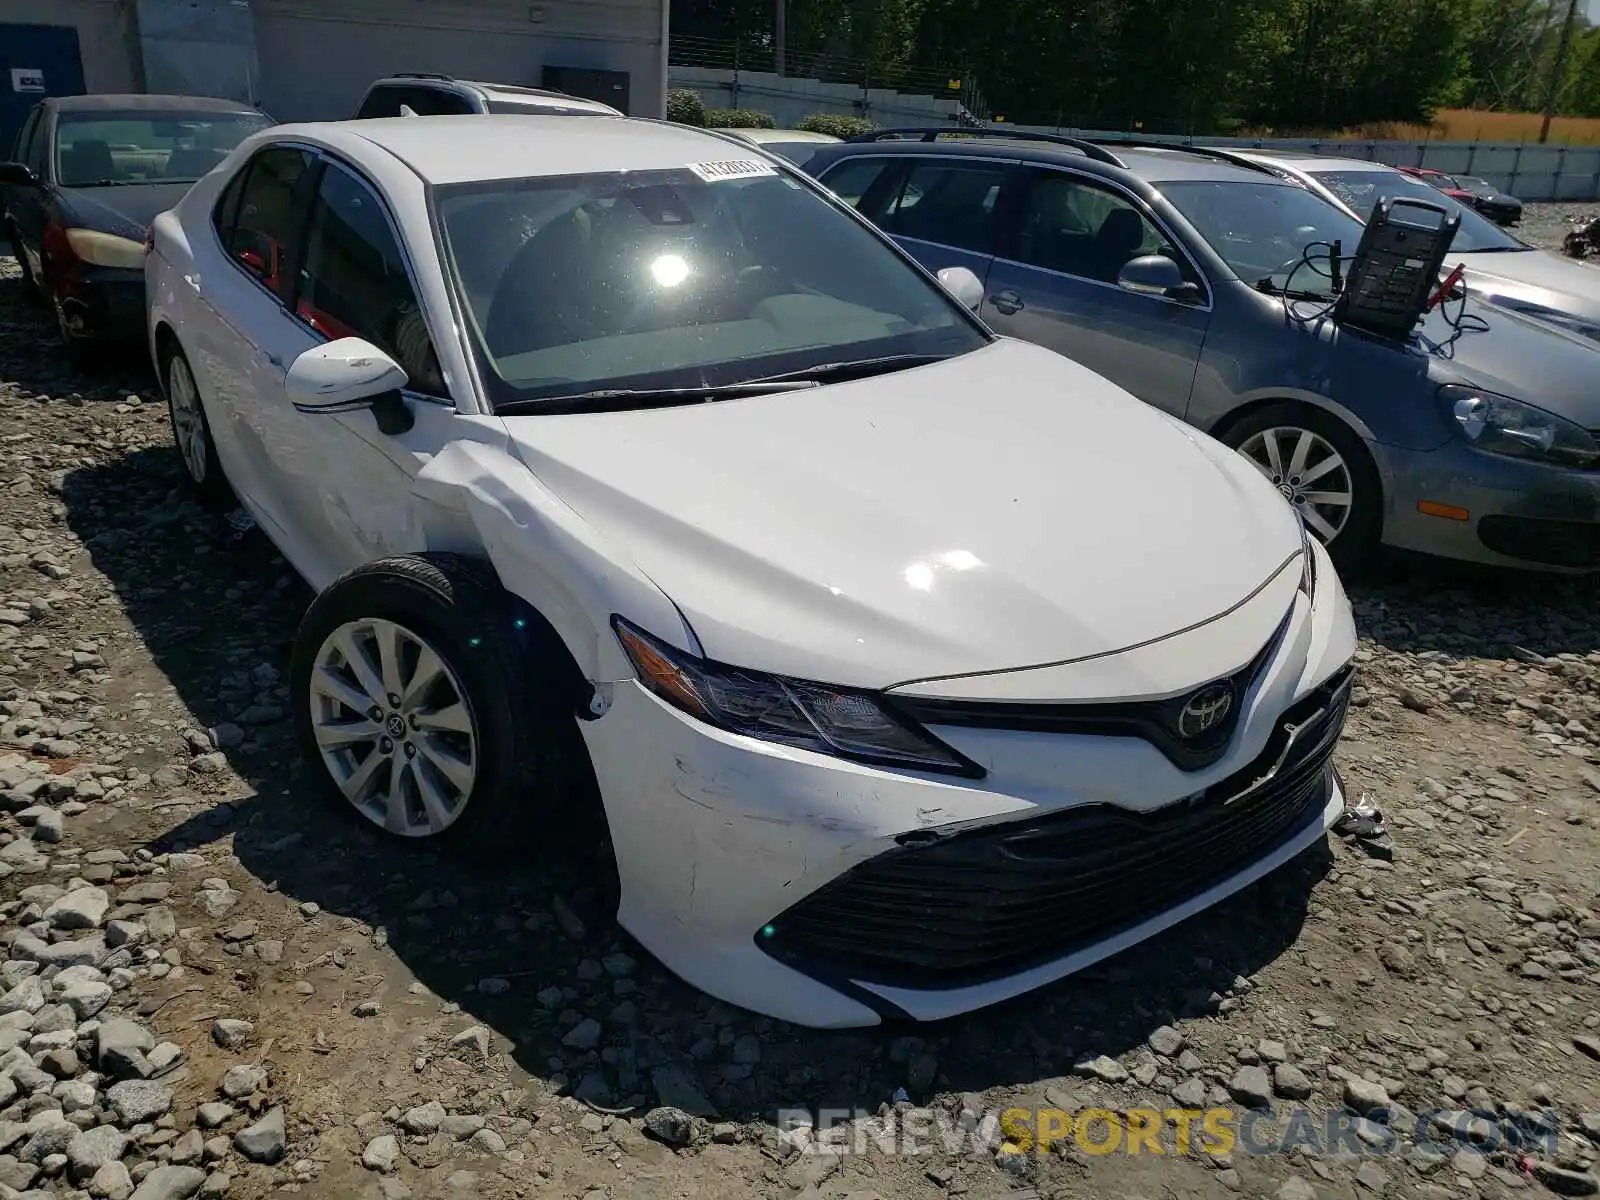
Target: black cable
x=1316, y=264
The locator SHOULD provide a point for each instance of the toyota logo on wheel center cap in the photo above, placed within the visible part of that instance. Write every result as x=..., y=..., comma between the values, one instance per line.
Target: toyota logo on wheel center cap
x=1205, y=710
x=396, y=726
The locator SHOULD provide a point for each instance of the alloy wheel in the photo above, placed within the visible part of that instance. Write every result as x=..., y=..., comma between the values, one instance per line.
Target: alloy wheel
x=188, y=422
x=1310, y=473
x=394, y=727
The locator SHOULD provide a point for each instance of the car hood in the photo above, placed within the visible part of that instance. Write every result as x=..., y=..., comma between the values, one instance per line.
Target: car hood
x=1539, y=361
x=125, y=209
x=1001, y=510
x=1516, y=276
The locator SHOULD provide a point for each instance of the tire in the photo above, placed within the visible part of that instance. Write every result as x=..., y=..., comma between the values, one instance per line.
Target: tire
x=191, y=433
x=1354, y=543
x=504, y=761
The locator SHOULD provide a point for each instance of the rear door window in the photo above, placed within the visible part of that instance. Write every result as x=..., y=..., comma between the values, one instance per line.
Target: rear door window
x=950, y=202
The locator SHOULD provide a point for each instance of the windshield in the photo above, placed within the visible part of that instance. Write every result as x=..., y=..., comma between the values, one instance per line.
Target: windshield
x=104, y=149
x=1362, y=190
x=1264, y=230
x=700, y=276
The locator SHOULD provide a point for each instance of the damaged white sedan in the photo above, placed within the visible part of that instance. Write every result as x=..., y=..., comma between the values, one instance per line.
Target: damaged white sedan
x=905, y=668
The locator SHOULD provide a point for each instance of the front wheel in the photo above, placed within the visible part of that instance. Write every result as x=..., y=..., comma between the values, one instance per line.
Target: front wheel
x=1325, y=473
x=429, y=713
x=191, y=432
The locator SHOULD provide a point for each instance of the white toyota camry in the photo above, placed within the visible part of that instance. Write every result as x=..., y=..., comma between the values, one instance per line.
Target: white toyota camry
x=908, y=668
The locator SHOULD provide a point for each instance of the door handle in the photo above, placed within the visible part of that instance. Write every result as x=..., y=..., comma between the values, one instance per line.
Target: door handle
x=193, y=281
x=1006, y=302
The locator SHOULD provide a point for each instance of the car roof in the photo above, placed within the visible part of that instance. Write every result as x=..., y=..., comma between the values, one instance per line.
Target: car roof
x=1306, y=160
x=1153, y=164
x=498, y=91
x=1179, y=165
x=514, y=93
x=470, y=148
x=141, y=102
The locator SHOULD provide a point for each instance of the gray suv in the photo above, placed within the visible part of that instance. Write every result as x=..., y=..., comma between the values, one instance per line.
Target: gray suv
x=1202, y=286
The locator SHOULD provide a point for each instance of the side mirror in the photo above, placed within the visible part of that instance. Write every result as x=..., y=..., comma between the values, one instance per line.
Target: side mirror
x=961, y=283
x=1157, y=275
x=346, y=375
x=18, y=175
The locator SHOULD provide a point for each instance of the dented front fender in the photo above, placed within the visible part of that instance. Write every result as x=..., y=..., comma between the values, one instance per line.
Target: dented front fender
x=477, y=499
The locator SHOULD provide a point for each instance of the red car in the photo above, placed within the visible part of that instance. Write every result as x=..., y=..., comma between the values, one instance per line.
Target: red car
x=1445, y=183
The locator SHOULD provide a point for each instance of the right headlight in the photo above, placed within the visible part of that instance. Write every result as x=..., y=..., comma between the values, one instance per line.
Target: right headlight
x=1501, y=425
x=844, y=722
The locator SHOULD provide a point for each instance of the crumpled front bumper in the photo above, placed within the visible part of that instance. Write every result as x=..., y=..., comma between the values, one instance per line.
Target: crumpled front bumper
x=720, y=838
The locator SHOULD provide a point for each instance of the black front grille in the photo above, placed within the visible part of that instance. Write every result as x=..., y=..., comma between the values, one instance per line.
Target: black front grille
x=979, y=905
x=1155, y=721
x=1553, y=543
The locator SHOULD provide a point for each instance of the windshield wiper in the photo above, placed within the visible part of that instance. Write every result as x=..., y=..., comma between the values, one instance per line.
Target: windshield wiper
x=620, y=399
x=861, y=368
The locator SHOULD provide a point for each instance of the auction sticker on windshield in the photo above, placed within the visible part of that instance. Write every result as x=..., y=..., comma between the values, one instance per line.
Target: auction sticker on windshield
x=733, y=168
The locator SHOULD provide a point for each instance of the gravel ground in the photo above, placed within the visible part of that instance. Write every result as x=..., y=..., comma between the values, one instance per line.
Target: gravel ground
x=212, y=985
x=1545, y=224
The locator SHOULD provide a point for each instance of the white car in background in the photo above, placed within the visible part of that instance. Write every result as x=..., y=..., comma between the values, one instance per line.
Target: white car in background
x=796, y=145
x=912, y=668
x=1501, y=267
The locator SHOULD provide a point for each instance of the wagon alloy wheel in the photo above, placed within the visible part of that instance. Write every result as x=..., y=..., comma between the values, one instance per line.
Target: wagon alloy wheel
x=1312, y=475
x=188, y=425
x=394, y=727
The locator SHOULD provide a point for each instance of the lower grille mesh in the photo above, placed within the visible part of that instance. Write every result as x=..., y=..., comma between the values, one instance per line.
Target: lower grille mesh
x=991, y=902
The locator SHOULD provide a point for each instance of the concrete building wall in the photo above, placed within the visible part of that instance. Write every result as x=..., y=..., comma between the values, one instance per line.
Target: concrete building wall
x=316, y=59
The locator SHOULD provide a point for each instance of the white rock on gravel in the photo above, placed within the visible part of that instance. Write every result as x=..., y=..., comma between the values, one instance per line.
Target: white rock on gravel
x=82, y=909
x=170, y=1183
x=381, y=1153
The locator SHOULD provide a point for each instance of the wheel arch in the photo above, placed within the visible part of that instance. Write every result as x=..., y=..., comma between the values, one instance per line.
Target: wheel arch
x=1236, y=416
x=164, y=344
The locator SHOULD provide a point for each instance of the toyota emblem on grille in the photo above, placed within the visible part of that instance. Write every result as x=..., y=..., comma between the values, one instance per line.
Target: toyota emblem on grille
x=1205, y=710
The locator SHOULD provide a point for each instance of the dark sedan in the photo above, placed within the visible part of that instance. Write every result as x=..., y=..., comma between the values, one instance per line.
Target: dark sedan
x=87, y=176
x=1500, y=207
